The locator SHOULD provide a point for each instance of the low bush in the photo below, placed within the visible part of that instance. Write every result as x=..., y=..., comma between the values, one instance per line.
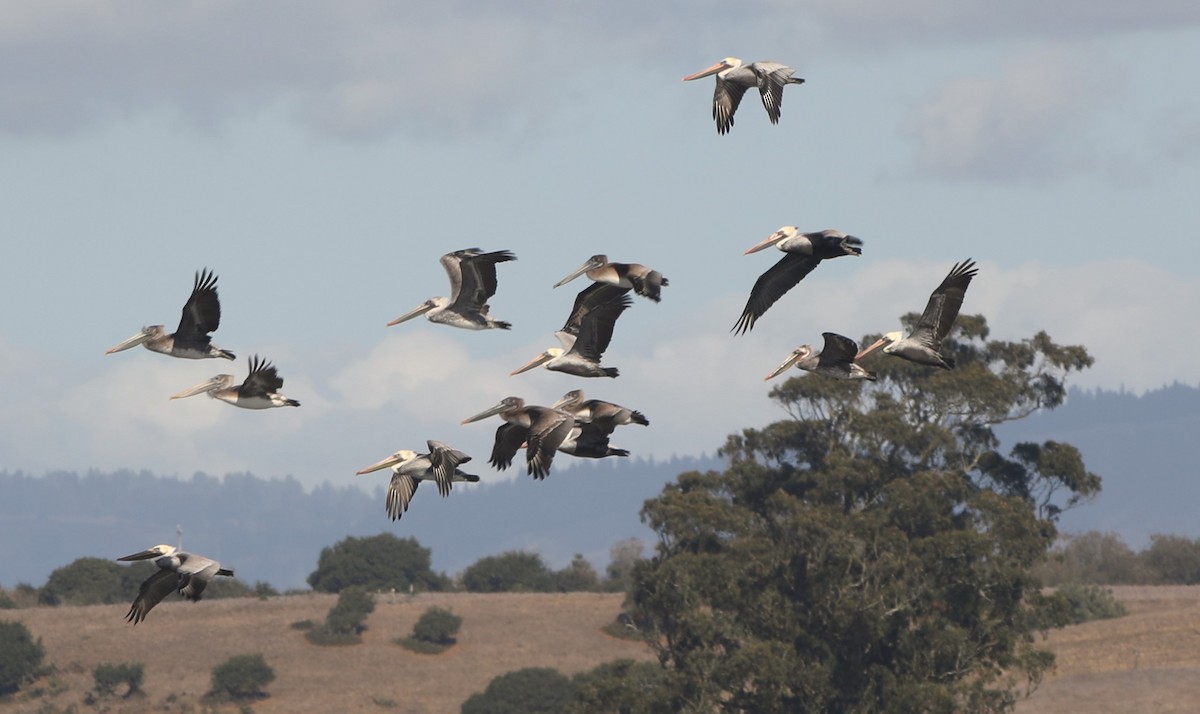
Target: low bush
x=109, y=678
x=533, y=690
x=433, y=633
x=241, y=678
x=1090, y=602
x=20, y=656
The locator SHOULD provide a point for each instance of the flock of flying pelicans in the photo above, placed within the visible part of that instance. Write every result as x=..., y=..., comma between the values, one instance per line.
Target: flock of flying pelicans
x=573, y=425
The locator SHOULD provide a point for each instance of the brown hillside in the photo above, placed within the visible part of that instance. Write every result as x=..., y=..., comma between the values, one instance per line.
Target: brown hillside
x=180, y=643
x=1148, y=661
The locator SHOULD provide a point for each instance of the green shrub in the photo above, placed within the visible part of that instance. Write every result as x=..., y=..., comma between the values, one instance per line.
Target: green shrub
x=438, y=626
x=108, y=677
x=1089, y=602
x=1174, y=559
x=20, y=656
x=240, y=678
x=379, y=563
x=579, y=576
x=94, y=581
x=533, y=690
x=303, y=625
x=6, y=601
x=346, y=619
x=433, y=633
x=514, y=571
x=353, y=606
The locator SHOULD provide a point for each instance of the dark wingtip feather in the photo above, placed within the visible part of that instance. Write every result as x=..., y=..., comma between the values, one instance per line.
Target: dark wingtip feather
x=639, y=418
x=611, y=372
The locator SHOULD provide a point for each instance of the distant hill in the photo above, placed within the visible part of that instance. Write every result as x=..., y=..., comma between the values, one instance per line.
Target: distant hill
x=273, y=531
x=1143, y=447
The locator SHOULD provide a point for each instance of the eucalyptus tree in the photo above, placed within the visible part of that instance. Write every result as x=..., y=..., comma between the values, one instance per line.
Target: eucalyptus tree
x=873, y=550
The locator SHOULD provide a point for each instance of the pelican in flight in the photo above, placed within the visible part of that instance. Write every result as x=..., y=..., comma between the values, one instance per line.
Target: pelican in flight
x=803, y=253
x=540, y=429
x=472, y=281
x=258, y=391
x=734, y=78
x=201, y=315
x=644, y=281
x=924, y=345
x=590, y=441
x=186, y=573
x=835, y=360
x=604, y=414
x=586, y=334
x=409, y=469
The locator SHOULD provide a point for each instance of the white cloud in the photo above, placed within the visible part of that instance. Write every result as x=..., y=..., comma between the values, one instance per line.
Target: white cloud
x=696, y=383
x=369, y=67
x=1029, y=120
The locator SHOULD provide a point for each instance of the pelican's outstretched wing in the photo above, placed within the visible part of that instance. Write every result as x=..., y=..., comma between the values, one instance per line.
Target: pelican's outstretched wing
x=943, y=306
x=152, y=591
x=262, y=380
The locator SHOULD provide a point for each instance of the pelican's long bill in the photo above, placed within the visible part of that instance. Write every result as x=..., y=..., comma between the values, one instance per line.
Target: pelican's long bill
x=415, y=312
x=538, y=361
x=383, y=464
x=591, y=264
x=205, y=386
x=767, y=242
x=705, y=72
x=491, y=411
x=134, y=341
x=881, y=342
x=785, y=365
x=144, y=555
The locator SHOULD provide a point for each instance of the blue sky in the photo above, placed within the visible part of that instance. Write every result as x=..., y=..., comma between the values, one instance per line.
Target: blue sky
x=321, y=158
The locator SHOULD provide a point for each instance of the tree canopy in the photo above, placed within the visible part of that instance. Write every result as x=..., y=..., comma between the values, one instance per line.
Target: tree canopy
x=873, y=552
x=382, y=562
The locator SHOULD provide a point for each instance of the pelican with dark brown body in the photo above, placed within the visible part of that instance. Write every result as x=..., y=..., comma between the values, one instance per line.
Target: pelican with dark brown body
x=541, y=430
x=835, y=360
x=734, y=78
x=472, y=276
x=586, y=334
x=410, y=468
x=644, y=281
x=185, y=573
x=803, y=253
x=924, y=345
x=190, y=340
x=260, y=389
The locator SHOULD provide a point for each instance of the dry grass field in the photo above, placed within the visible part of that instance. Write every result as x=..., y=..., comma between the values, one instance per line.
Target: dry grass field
x=1148, y=661
x=1145, y=662
x=180, y=643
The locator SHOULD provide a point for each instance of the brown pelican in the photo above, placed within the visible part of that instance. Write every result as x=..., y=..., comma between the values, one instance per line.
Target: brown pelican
x=589, y=441
x=644, y=281
x=201, y=315
x=409, y=469
x=836, y=359
x=734, y=78
x=257, y=392
x=803, y=253
x=472, y=281
x=924, y=345
x=186, y=573
x=540, y=429
x=606, y=415
x=586, y=334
